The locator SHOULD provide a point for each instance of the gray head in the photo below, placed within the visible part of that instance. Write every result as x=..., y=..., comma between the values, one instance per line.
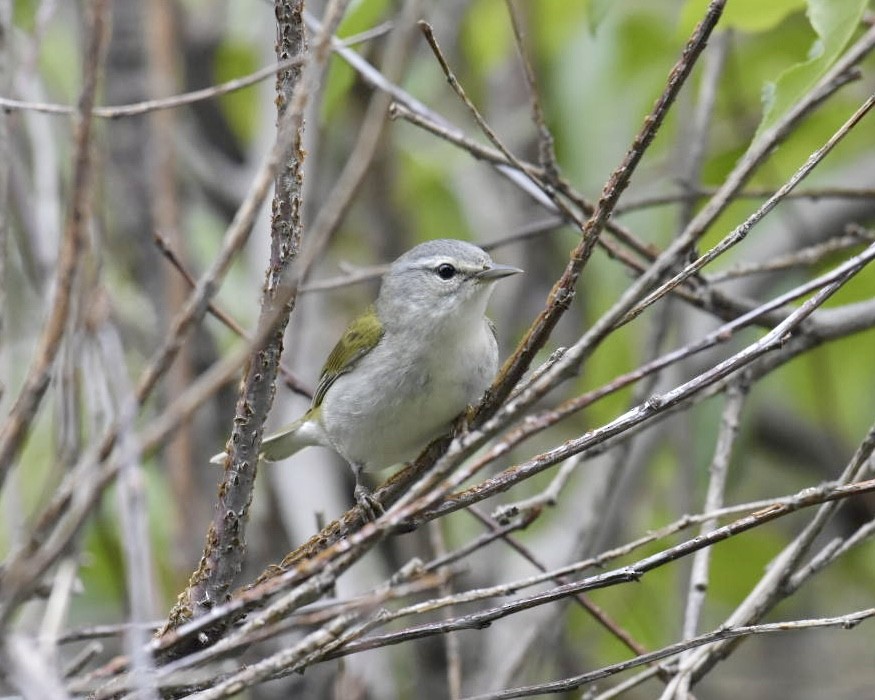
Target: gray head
x=439, y=280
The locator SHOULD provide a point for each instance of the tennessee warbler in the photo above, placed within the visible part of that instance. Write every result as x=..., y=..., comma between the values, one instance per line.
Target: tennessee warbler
x=407, y=367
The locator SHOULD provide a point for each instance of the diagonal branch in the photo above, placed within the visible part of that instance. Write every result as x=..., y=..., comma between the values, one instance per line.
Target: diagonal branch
x=225, y=542
x=563, y=291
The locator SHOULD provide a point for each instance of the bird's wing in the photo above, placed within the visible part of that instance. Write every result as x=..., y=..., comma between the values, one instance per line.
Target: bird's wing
x=360, y=337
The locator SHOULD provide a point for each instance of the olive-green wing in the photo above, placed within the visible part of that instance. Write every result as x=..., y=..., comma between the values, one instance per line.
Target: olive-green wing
x=360, y=337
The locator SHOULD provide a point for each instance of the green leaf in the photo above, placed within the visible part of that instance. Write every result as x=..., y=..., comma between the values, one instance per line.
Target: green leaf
x=834, y=22
x=486, y=34
x=338, y=82
x=361, y=16
x=554, y=24
x=425, y=195
x=597, y=12
x=235, y=59
x=24, y=14
x=743, y=15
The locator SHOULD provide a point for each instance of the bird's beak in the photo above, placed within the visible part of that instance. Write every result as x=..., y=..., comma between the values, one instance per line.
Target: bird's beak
x=496, y=271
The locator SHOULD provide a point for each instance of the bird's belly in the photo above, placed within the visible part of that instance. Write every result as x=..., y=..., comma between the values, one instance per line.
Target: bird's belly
x=397, y=437
x=389, y=419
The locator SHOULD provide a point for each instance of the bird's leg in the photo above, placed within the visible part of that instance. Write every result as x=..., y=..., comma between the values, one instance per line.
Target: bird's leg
x=371, y=507
x=463, y=420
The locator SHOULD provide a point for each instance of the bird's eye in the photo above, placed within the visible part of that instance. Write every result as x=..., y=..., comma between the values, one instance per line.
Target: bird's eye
x=446, y=271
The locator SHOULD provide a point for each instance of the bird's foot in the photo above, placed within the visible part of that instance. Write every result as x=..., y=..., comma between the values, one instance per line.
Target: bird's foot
x=371, y=507
x=463, y=421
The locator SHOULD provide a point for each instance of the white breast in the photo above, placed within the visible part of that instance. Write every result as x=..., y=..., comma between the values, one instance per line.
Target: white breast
x=379, y=417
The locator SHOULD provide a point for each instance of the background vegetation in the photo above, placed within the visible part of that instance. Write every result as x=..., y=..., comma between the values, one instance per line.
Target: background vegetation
x=700, y=471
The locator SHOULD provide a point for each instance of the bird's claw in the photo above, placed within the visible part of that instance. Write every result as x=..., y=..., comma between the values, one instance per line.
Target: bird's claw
x=464, y=419
x=371, y=507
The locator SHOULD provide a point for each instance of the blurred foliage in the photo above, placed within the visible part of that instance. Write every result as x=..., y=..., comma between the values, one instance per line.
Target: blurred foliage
x=361, y=17
x=234, y=58
x=485, y=51
x=744, y=15
x=426, y=198
x=833, y=22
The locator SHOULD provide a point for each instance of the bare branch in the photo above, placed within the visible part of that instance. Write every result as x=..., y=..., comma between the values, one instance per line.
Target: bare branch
x=140, y=108
x=849, y=621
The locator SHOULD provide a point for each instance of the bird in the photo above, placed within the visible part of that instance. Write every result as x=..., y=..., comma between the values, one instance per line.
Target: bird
x=406, y=368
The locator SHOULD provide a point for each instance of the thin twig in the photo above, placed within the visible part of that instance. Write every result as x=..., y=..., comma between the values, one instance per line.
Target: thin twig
x=85, y=656
x=829, y=554
x=368, y=34
x=695, y=135
x=814, y=193
x=629, y=684
x=546, y=151
x=549, y=497
x=292, y=380
x=90, y=632
x=451, y=641
x=803, y=257
x=146, y=106
x=495, y=532
x=488, y=131
x=698, y=585
x=848, y=621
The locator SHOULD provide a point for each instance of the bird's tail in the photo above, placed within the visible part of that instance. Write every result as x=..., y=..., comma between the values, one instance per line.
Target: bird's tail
x=276, y=446
x=285, y=442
